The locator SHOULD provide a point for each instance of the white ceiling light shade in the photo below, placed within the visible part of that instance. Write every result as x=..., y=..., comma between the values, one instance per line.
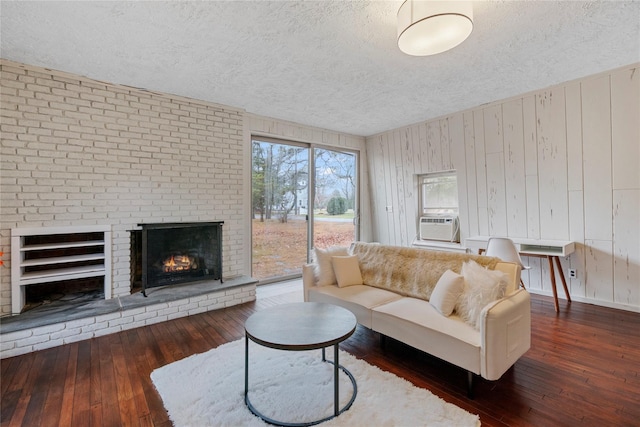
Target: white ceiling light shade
x=430, y=27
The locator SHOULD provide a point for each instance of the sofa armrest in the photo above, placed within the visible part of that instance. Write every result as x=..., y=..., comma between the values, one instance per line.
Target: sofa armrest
x=308, y=280
x=505, y=333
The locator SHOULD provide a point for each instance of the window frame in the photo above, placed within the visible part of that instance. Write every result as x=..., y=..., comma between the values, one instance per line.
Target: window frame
x=443, y=210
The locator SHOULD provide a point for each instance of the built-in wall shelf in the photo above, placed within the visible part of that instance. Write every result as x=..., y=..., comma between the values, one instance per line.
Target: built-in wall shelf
x=53, y=254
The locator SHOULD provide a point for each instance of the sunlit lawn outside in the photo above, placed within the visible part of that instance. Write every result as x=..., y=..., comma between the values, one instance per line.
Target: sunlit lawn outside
x=280, y=249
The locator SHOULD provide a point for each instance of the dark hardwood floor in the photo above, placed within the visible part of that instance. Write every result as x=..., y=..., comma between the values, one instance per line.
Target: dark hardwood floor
x=583, y=369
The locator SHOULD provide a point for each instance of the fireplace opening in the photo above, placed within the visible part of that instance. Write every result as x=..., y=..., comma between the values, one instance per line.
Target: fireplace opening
x=175, y=253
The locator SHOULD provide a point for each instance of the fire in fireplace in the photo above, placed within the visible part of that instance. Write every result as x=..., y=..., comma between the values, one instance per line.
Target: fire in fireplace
x=171, y=253
x=179, y=262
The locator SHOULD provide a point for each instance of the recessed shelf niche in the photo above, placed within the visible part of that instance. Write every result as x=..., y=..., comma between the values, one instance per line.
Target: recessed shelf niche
x=52, y=254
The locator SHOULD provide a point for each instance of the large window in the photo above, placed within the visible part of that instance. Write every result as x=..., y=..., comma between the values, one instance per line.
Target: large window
x=439, y=193
x=295, y=209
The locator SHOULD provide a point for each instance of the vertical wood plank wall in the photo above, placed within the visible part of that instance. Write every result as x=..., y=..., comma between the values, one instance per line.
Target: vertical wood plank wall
x=561, y=163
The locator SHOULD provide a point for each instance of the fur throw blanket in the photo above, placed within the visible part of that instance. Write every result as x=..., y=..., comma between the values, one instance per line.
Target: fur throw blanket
x=410, y=272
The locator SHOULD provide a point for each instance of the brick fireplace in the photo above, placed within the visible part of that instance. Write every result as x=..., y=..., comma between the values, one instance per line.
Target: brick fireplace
x=79, y=152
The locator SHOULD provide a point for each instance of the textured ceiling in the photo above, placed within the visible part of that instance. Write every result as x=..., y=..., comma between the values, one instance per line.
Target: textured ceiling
x=331, y=64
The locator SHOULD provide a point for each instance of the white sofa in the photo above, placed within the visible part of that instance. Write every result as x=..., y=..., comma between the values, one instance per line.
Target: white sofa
x=393, y=300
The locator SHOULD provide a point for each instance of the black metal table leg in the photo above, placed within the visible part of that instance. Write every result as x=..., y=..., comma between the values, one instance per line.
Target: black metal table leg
x=336, y=400
x=246, y=367
x=336, y=382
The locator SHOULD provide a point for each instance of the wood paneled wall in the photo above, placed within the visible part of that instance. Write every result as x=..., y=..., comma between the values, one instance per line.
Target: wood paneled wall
x=560, y=163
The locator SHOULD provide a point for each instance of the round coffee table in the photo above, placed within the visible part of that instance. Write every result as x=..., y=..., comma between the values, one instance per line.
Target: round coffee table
x=299, y=327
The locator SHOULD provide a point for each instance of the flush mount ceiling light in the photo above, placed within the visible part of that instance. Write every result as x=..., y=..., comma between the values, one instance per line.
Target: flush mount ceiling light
x=430, y=27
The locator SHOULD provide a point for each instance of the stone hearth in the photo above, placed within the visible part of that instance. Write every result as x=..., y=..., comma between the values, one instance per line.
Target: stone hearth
x=49, y=326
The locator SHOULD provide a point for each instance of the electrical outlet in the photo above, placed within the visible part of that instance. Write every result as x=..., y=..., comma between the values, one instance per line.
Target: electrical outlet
x=573, y=273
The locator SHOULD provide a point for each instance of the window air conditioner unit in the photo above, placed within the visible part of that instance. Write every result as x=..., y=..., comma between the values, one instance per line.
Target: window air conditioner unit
x=438, y=227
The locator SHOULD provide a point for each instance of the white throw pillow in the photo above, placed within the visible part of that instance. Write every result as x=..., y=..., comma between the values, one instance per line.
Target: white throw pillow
x=445, y=295
x=482, y=286
x=347, y=270
x=322, y=268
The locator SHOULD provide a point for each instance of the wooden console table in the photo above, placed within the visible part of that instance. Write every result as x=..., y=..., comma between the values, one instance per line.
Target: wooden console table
x=550, y=249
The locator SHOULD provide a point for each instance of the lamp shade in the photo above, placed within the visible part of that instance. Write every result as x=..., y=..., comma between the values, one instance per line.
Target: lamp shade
x=430, y=27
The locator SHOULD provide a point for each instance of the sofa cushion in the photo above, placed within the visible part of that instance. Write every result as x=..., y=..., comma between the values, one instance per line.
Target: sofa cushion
x=347, y=270
x=417, y=323
x=359, y=299
x=481, y=286
x=445, y=295
x=322, y=268
x=409, y=271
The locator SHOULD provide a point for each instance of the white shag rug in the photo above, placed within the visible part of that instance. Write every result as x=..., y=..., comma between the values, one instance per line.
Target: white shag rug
x=208, y=390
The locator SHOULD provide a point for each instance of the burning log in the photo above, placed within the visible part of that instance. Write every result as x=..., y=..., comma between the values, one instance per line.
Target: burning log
x=177, y=263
